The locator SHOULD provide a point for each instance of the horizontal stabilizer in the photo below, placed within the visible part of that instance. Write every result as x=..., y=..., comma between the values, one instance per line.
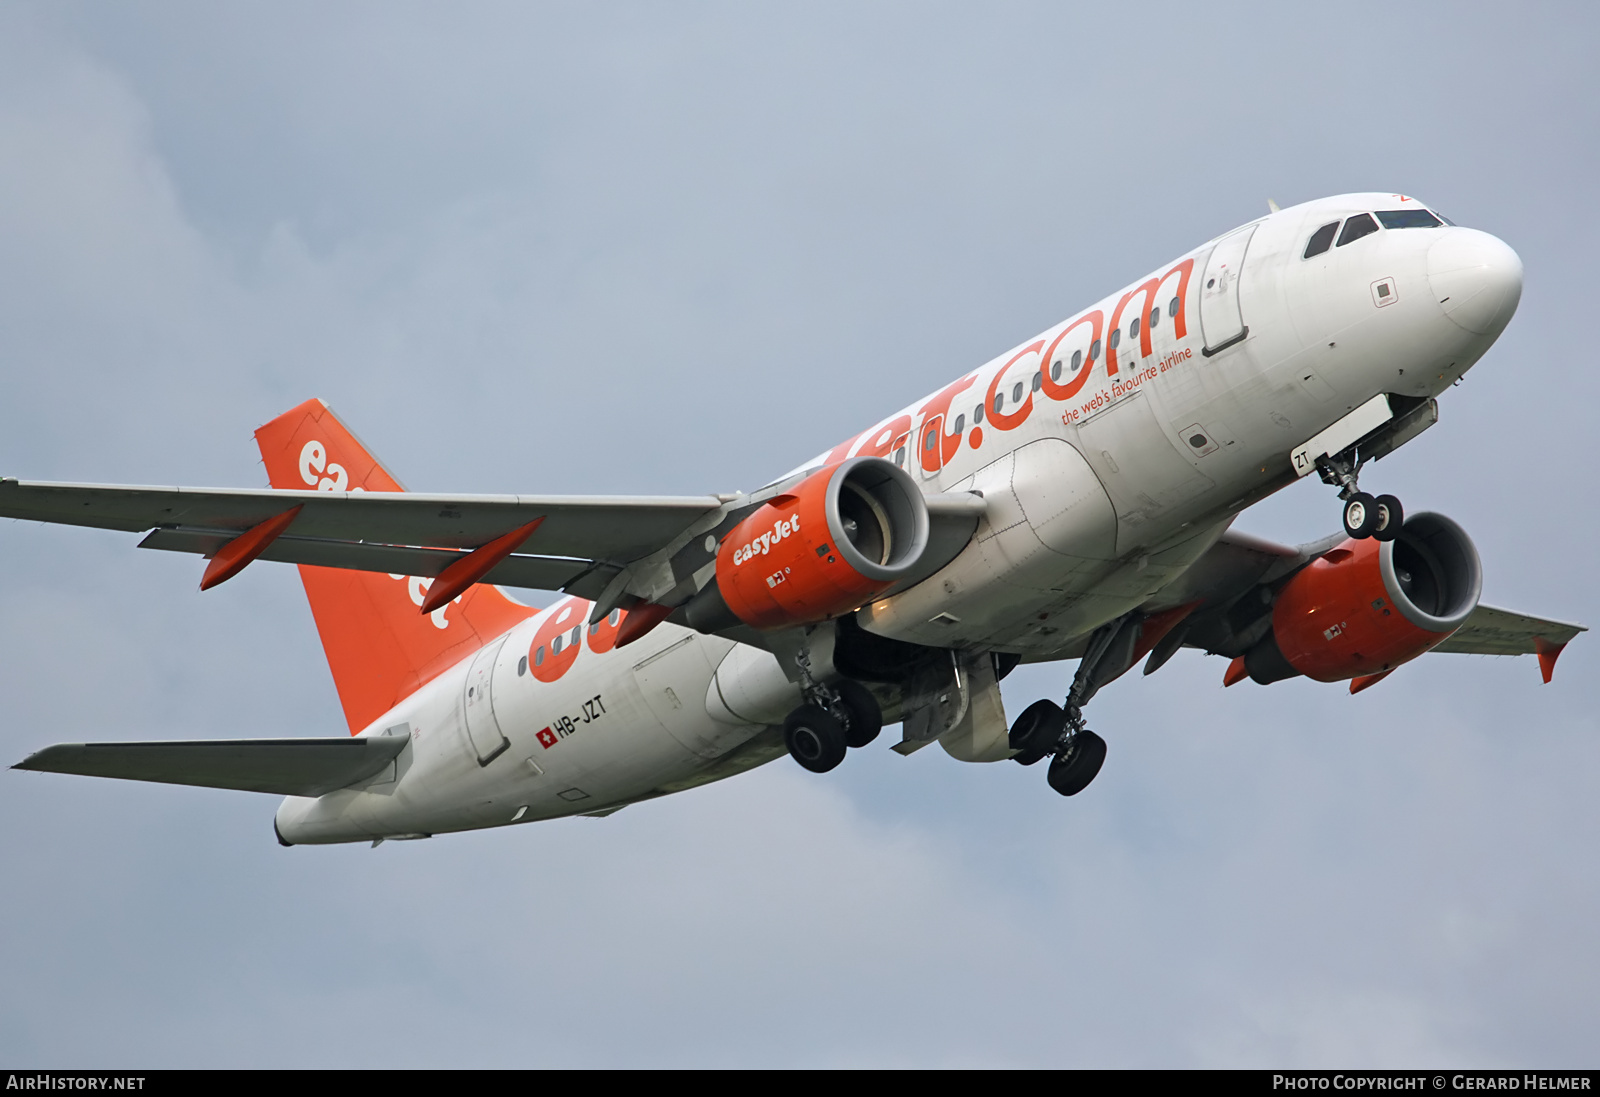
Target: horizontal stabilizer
x=287, y=767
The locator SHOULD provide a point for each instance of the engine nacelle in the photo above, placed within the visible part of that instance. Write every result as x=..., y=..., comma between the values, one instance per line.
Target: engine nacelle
x=1367, y=606
x=836, y=540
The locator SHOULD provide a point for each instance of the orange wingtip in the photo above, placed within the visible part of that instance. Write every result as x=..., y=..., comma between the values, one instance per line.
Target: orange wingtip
x=1548, y=654
x=1236, y=672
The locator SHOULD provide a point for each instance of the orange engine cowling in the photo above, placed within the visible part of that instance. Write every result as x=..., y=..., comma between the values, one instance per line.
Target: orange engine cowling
x=833, y=542
x=1367, y=606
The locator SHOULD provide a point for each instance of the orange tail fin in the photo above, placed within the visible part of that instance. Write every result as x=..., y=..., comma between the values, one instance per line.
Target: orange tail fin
x=380, y=646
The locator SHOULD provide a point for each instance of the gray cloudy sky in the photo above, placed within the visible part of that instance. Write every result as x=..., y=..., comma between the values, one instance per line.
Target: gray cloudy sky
x=680, y=248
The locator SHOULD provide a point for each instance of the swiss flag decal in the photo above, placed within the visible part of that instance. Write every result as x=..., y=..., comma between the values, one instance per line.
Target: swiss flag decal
x=547, y=738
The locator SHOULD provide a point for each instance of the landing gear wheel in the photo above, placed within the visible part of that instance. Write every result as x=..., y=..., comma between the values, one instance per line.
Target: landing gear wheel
x=1073, y=769
x=1036, y=731
x=1360, y=515
x=1391, y=516
x=814, y=738
x=866, y=717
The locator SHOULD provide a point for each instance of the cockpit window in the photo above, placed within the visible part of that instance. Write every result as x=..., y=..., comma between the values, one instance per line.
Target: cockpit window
x=1321, y=240
x=1358, y=226
x=1408, y=219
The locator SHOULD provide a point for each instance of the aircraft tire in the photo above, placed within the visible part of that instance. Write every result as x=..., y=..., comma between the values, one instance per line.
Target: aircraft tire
x=814, y=738
x=1391, y=516
x=866, y=716
x=1360, y=515
x=1073, y=769
x=1035, y=732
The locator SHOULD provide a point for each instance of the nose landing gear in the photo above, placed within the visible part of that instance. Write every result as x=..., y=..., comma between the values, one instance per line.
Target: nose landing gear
x=1379, y=517
x=1365, y=516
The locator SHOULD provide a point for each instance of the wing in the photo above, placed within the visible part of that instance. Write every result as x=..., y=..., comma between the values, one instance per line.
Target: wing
x=288, y=767
x=579, y=544
x=1492, y=631
x=1227, y=619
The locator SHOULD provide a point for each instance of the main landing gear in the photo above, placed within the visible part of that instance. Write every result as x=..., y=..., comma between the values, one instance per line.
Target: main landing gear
x=1379, y=517
x=1047, y=729
x=834, y=718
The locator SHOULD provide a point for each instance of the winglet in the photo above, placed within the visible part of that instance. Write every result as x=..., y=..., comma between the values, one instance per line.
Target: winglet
x=1236, y=672
x=1548, y=654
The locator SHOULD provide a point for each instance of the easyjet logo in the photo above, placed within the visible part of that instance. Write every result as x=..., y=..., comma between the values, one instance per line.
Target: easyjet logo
x=317, y=472
x=1055, y=367
x=324, y=475
x=417, y=588
x=760, y=546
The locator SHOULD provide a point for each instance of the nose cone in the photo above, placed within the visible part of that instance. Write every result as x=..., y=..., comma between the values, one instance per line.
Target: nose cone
x=1476, y=279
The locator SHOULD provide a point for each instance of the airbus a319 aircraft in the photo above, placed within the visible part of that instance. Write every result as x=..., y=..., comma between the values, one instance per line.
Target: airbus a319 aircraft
x=1069, y=500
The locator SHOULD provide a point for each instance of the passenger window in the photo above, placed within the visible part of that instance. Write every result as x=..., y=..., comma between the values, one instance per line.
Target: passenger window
x=1155, y=318
x=555, y=645
x=1408, y=219
x=1055, y=370
x=1172, y=309
x=1358, y=226
x=1077, y=360
x=522, y=666
x=1321, y=240
x=1038, y=380
x=1133, y=329
x=538, y=657
x=961, y=424
x=977, y=414
x=1116, y=338
x=1016, y=393
x=930, y=439
x=900, y=457
x=1094, y=350
x=999, y=402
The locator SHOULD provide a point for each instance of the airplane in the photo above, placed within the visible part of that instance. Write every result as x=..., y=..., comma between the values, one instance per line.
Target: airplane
x=1071, y=499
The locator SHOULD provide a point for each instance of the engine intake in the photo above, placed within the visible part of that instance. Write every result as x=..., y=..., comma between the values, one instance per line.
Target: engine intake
x=833, y=542
x=1367, y=606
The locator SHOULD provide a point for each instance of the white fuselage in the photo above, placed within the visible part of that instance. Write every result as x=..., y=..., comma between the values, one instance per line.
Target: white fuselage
x=1101, y=489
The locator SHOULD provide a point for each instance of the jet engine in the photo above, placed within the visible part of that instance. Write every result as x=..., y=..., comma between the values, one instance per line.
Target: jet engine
x=1367, y=606
x=837, y=539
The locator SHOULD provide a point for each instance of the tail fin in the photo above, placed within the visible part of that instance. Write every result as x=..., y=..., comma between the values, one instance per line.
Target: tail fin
x=380, y=646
